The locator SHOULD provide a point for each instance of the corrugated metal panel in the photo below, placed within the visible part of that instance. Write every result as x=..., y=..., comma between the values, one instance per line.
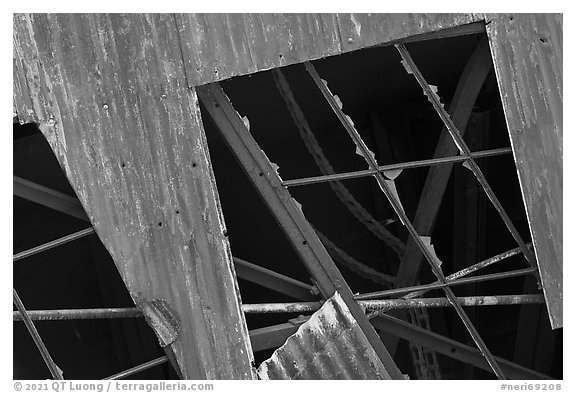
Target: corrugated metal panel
x=110, y=96
x=330, y=345
x=527, y=52
x=219, y=46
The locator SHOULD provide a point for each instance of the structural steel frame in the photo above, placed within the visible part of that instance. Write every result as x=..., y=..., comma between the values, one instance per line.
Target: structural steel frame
x=326, y=277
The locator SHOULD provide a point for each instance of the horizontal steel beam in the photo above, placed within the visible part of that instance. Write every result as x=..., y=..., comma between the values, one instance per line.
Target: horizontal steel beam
x=268, y=308
x=450, y=348
x=384, y=168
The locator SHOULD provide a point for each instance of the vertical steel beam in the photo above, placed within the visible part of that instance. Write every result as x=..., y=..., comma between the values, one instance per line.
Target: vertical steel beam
x=286, y=211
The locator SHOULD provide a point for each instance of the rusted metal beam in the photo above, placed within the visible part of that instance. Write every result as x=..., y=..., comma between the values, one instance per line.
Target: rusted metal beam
x=52, y=244
x=419, y=290
x=467, y=90
x=47, y=197
x=411, y=291
x=404, y=165
x=528, y=50
x=463, y=148
x=139, y=368
x=273, y=308
x=388, y=188
x=287, y=212
x=273, y=280
x=24, y=316
x=450, y=348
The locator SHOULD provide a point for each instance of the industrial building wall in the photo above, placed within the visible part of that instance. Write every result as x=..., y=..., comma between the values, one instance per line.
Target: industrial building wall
x=114, y=96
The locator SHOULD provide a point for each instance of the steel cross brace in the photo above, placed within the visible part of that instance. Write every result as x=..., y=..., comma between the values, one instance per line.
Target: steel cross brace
x=287, y=212
x=336, y=106
x=464, y=150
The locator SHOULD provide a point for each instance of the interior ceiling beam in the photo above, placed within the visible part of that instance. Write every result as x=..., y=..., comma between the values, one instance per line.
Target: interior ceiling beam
x=287, y=212
x=467, y=90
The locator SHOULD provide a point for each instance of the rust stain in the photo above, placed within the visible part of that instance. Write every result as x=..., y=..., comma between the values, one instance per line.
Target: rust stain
x=220, y=46
x=330, y=345
x=527, y=54
x=111, y=97
x=162, y=319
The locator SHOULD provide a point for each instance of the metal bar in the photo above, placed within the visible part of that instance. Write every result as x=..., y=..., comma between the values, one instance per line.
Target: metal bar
x=404, y=165
x=53, y=244
x=274, y=336
x=469, y=85
x=289, y=215
x=322, y=162
x=368, y=156
x=83, y=313
x=140, y=368
x=272, y=280
x=54, y=369
x=463, y=148
x=450, y=348
x=420, y=289
x=294, y=307
x=47, y=197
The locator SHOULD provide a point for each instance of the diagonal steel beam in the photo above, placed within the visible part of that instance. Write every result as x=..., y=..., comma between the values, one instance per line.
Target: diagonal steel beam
x=47, y=197
x=52, y=244
x=464, y=150
x=54, y=369
x=287, y=212
x=467, y=90
x=273, y=280
x=390, y=194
